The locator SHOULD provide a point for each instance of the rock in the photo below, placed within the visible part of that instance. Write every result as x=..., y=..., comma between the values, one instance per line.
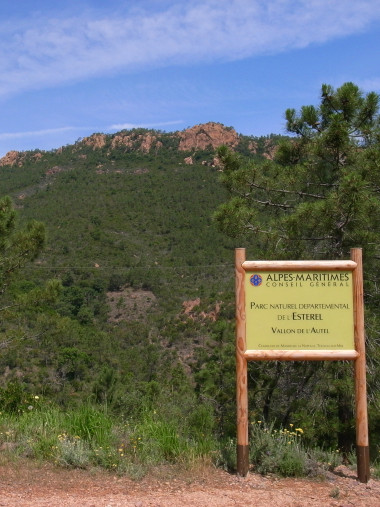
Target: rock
x=97, y=141
x=207, y=135
x=11, y=158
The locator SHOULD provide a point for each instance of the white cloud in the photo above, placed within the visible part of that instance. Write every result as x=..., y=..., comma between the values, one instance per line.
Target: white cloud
x=35, y=133
x=57, y=50
x=52, y=131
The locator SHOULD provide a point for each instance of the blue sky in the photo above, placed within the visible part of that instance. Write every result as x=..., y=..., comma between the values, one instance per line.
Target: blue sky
x=75, y=67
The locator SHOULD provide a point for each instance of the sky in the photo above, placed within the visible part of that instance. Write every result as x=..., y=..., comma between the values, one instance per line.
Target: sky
x=75, y=67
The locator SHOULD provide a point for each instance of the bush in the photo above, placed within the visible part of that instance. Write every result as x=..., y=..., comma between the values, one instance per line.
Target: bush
x=277, y=451
x=282, y=451
x=15, y=400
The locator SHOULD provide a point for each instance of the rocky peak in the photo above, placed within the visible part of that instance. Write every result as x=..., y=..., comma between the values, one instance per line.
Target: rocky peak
x=201, y=137
x=11, y=158
x=207, y=136
x=97, y=141
x=141, y=142
x=18, y=158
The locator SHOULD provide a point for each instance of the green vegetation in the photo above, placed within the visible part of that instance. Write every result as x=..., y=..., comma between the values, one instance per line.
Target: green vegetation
x=91, y=437
x=118, y=351
x=317, y=199
x=321, y=194
x=17, y=246
x=284, y=452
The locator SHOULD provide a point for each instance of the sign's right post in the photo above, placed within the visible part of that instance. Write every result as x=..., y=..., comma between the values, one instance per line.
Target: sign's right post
x=362, y=442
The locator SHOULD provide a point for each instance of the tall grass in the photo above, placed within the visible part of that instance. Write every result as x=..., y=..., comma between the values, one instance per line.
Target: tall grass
x=156, y=440
x=88, y=436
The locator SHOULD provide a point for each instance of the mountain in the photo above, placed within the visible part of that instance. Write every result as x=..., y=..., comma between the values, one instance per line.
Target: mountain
x=147, y=279
x=204, y=137
x=144, y=323
x=126, y=200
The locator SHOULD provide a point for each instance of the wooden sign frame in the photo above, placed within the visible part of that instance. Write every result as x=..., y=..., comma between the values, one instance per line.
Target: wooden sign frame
x=357, y=354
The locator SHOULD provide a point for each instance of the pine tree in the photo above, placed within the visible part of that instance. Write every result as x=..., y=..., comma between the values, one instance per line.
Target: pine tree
x=18, y=247
x=321, y=194
x=318, y=198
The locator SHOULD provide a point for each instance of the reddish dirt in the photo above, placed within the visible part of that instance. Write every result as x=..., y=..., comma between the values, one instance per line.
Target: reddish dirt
x=26, y=485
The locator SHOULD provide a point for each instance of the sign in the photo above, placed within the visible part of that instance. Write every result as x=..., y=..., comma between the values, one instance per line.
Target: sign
x=292, y=310
x=300, y=311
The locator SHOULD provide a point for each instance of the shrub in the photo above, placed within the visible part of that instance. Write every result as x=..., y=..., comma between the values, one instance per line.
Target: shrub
x=15, y=400
x=277, y=451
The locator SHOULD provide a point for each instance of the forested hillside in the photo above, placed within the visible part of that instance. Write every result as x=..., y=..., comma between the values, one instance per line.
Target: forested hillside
x=144, y=317
x=146, y=304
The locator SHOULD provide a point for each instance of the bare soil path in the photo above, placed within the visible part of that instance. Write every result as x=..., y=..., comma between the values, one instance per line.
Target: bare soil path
x=29, y=485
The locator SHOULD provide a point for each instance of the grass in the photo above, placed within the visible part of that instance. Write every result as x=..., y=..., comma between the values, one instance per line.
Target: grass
x=89, y=437
x=282, y=452
x=155, y=441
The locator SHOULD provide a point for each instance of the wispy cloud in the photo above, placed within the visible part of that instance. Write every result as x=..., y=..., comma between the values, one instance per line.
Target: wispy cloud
x=53, y=131
x=57, y=50
x=36, y=133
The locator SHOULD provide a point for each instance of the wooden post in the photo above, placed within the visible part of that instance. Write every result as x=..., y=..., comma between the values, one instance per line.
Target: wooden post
x=241, y=368
x=362, y=442
x=358, y=355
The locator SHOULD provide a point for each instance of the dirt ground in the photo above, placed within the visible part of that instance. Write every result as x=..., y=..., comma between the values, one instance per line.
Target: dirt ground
x=29, y=485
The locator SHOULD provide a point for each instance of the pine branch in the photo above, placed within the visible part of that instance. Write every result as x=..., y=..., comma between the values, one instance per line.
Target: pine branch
x=283, y=191
x=274, y=204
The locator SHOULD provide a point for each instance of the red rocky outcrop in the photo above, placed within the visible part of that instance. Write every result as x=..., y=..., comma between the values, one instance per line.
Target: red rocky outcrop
x=207, y=135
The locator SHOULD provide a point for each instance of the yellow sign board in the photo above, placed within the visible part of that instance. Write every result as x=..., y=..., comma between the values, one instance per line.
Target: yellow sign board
x=299, y=310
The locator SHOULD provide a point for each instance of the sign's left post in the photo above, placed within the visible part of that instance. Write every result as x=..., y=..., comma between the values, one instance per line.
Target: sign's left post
x=241, y=367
